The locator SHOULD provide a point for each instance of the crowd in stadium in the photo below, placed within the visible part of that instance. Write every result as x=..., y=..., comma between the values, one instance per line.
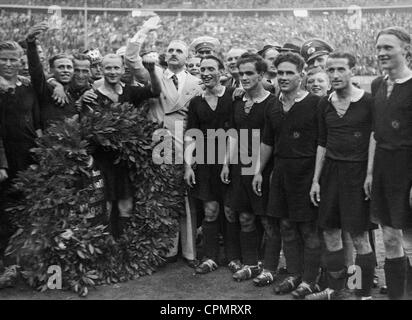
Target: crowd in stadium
x=330, y=163
x=110, y=32
x=209, y=4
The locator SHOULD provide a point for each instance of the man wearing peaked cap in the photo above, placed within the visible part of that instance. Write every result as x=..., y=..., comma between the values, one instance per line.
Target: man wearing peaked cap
x=293, y=45
x=204, y=46
x=315, y=52
x=273, y=46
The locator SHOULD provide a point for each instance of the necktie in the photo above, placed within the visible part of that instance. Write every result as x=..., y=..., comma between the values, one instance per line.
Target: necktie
x=175, y=82
x=236, y=84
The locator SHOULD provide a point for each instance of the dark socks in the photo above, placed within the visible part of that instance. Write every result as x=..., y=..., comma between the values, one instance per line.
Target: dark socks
x=409, y=279
x=273, y=246
x=114, y=220
x=366, y=263
x=292, y=250
x=211, y=240
x=311, y=258
x=249, y=245
x=261, y=244
x=232, y=245
x=395, y=274
x=336, y=270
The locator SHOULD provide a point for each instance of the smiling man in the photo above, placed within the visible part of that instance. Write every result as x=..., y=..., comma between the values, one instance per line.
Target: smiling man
x=243, y=206
x=210, y=111
x=19, y=127
x=81, y=82
x=61, y=67
x=291, y=133
x=389, y=171
x=117, y=184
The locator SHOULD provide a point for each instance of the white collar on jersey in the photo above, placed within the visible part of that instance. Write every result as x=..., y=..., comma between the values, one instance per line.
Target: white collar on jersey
x=400, y=81
x=246, y=98
x=354, y=98
x=219, y=95
x=297, y=99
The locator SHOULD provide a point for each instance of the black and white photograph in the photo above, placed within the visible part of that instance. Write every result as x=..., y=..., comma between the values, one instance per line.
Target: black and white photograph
x=205, y=155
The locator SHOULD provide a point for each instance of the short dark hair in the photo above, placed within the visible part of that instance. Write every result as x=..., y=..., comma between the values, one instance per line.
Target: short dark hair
x=220, y=64
x=344, y=55
x=53, y=59
x=12, y=46
x=257, y=60
x=82, y=57
x=398, y=32
x=291, y=57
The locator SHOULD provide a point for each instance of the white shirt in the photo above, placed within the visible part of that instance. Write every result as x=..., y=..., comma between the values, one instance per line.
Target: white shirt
x=181, y=78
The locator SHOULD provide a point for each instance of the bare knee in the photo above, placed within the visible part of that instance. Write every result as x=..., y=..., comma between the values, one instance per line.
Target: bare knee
x=231, y=215
x=333, y=239
x=271, y=227
x=392, y=239
x=211, y=211
x=125, y=207
x=247, y=222
x=361, y=243
x=288, y=231
x=310, y=236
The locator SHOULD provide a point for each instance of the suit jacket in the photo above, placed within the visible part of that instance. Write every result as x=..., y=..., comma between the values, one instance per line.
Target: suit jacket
x=173, y=104
x=172, y=107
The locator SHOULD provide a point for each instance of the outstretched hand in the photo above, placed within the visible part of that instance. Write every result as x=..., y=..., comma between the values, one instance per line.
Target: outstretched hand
x=36, y=30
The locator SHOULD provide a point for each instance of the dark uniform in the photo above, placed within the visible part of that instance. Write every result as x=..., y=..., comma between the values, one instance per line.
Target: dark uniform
x=49, y=110
x=118, y=185
x=294, y=136
x=241, y=197
x=209, y=186
x=346, y=139
x=19, y=120
x=392, y=176
x=392, y=173
x=343, y=206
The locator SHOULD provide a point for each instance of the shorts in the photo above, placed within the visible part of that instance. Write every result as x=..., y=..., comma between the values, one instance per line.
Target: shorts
x=391, y=188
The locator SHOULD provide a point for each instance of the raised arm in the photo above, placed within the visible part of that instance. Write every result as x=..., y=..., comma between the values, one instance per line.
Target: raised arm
x=132, y=55
x=150, y=66
x=36, y=71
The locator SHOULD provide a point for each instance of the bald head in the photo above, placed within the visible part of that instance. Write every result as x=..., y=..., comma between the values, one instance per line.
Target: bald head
x=112, y=57
x=113, y=69
x=231, y=60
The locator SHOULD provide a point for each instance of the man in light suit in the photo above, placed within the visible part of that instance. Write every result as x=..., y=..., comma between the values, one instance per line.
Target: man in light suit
x=178, y=88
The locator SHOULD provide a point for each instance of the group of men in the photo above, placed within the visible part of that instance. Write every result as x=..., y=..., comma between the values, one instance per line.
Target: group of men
x=328, y=161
